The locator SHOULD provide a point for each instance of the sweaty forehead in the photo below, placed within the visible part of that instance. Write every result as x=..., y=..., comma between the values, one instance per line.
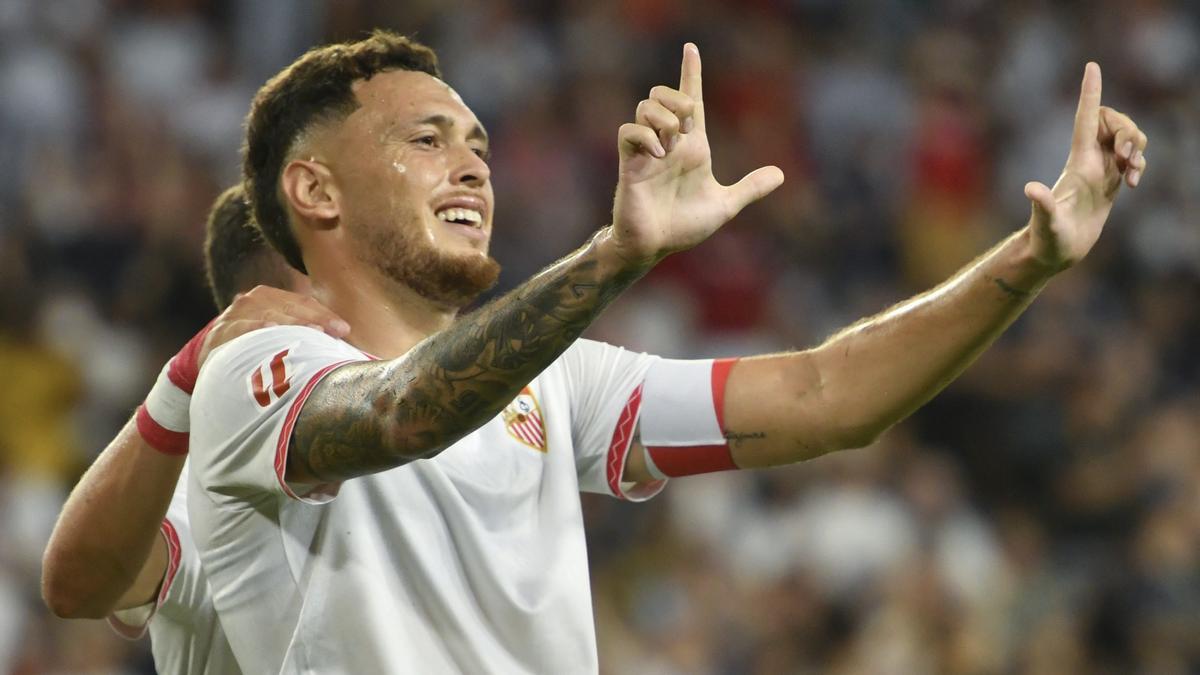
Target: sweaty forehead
x=396, y=95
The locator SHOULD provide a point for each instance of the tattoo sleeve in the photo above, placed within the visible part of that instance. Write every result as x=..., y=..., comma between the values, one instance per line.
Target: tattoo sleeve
x=369, y=417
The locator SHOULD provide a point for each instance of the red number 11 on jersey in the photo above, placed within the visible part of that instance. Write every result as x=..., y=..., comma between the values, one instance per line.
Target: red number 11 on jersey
x=279, y=380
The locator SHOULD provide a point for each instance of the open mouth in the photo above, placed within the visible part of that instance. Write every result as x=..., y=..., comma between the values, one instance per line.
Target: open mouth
x=461, y=216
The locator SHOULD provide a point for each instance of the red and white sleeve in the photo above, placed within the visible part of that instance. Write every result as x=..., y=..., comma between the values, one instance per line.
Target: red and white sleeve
x=682, y=425
x=163, y=419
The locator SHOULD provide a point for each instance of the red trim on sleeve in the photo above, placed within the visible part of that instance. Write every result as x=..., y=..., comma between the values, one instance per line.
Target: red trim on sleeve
x=174, y=555
x=692, y=460
x=185, y=366
x=621, y=440
x=158, y=437
x=285, y=434
x=720, y=373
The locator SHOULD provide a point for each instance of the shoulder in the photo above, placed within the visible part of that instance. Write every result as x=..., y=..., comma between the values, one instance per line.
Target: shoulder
x=590, y=358
x=293, y=347
x=269, y=340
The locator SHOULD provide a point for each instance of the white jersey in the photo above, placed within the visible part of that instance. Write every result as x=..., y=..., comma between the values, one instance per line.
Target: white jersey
x=185, y=634
x=472, y=561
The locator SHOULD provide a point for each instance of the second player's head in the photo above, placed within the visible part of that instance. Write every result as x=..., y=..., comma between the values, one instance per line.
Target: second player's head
x=236, y=258
x=360, y=147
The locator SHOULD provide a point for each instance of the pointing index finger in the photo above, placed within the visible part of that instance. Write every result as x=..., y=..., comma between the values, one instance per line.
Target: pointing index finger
x=689, y=72
x=1087, y=115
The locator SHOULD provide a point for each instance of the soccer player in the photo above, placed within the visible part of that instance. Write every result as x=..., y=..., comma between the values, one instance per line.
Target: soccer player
x=402, y=503
x=113, y=553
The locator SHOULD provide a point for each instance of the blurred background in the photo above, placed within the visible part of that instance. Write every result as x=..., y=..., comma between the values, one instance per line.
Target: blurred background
x=1041, y=516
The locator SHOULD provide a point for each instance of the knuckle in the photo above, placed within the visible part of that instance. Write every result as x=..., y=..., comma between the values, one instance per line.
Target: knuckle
x=309, y=303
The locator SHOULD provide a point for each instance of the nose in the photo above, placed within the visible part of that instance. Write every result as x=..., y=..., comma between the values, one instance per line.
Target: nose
x=470, y=169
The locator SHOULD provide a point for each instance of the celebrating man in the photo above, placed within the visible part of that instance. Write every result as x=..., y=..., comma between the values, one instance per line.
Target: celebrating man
x=405, y=503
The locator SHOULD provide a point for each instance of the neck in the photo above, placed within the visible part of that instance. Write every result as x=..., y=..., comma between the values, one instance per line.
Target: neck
x=386, y=318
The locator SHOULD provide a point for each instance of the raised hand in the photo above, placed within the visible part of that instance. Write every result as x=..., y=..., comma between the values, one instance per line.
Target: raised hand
x=667, y=198
x=1105, y=147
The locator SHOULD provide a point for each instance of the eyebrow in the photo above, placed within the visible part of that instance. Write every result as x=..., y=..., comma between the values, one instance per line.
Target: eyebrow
x=477, y=132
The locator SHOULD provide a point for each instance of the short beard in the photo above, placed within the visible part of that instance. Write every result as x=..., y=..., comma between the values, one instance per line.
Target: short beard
x=447, y=279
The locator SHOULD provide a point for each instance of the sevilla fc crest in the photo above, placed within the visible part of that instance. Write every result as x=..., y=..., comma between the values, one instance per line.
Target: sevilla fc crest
x=523, y=419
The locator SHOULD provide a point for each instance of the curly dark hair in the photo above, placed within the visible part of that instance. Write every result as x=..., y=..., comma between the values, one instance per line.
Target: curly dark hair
x=314, y=89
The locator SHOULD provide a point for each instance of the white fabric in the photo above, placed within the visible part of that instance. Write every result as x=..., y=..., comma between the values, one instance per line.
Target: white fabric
x=168, y=404
x=135, y=617
x=472, y=561
x=677, y=405
x=185, y=633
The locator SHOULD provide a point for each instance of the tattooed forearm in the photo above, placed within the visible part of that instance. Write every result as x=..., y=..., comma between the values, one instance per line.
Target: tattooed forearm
x=370, y=417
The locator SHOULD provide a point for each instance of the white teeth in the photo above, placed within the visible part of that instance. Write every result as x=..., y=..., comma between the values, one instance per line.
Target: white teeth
x=460, y=215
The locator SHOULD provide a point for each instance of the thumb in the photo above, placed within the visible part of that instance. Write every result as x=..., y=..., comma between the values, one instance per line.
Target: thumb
x=753, y=187
x=1043, y=203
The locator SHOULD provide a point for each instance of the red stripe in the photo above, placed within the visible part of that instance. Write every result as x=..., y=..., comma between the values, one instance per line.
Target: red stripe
x=621, y=440
x=535, y=432
x=173, y=557
x=285, y=434
x=279, y=375
x=692, y=460
x=530, y=429
x=260, y=392
x=521, y=431
x=185, y=366
x=159, y=437
x=720, y=373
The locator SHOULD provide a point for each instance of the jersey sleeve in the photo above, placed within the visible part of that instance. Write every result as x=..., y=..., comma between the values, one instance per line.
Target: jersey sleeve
x=604, y=384
x=245, y=405
x=182, y=587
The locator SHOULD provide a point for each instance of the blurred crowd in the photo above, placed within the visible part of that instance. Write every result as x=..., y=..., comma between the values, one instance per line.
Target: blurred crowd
x=1040, y=517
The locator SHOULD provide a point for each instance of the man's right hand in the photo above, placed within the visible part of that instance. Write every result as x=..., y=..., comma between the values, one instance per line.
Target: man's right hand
x=263, y=307
x=667, y=198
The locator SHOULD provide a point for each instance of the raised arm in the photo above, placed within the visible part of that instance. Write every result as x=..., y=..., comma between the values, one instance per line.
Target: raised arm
x=790, y=407
x=105, y=553
x=370, y=417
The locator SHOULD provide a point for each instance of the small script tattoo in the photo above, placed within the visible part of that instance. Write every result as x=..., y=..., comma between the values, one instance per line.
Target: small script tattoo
x=738, y=437
x=1009, y=289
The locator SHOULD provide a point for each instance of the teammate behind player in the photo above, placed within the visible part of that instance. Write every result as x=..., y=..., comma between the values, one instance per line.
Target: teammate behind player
x=367, y=170
x=113, y=552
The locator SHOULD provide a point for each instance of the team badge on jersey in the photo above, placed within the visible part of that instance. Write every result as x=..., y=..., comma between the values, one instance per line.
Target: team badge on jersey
x=523, y=419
